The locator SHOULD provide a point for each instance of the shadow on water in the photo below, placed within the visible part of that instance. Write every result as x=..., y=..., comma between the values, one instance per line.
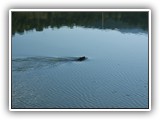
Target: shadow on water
x=31, y=63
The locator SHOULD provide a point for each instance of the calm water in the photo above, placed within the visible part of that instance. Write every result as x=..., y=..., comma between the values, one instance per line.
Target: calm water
x=45, y=75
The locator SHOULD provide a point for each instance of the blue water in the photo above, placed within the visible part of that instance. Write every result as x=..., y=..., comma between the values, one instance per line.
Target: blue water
x=115, y=75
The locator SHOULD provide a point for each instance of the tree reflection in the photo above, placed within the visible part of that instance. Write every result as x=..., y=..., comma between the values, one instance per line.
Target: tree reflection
x=24, y=21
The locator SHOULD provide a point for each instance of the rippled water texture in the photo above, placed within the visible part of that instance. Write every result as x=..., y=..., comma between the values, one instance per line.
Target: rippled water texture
x=45, y=73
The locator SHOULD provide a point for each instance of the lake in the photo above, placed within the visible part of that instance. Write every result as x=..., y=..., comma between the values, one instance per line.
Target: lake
x=46, y=73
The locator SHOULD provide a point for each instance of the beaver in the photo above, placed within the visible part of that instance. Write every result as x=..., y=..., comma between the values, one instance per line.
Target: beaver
x=81, y=58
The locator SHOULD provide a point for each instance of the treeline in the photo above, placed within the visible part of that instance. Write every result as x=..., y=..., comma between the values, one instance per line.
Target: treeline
x=24, y=21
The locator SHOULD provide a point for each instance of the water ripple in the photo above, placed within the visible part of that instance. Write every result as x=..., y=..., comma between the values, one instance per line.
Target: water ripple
x=23, y=64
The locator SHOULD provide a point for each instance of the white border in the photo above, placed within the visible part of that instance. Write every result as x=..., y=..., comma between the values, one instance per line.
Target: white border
x=82, y=10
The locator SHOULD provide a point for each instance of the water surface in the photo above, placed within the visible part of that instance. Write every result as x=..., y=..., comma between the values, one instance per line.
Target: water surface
x=46, y=75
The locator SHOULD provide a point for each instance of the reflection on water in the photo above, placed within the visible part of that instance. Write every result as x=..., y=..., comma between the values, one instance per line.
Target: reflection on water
x=24, y=21
x=115, y=75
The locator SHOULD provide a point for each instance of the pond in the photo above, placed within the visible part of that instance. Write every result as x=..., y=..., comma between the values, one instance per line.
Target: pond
x=46, y=73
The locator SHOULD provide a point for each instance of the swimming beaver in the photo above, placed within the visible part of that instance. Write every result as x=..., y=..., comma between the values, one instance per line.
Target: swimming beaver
x=81, y=58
